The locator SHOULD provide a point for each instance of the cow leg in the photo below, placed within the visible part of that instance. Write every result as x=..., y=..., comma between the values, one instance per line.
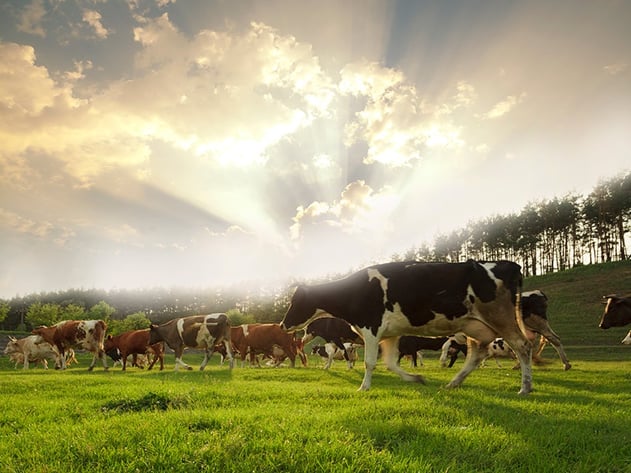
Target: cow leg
x=481, y=335
x=476, y=353
x=329, y=361
x=229, y=354
x=205, y=360
x=371, y=353
x=390, y=350
x=444, y=353
x=178, y=359
x=453, y=359
x=420, y=357
x=26, y=363
x=523, y=349
x=541, y=326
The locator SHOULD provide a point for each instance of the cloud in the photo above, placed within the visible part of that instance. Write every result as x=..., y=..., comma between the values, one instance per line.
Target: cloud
x=502, y=108
x=396, y=123
x=93, y=18
x=31, y=19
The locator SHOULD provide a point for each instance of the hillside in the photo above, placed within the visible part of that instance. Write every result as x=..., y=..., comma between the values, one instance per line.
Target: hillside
x=575, y=302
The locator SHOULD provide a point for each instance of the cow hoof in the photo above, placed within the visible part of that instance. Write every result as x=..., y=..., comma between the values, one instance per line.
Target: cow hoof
x=525, y=392
x=189, y=368
x=568, y=366
x=90, y=368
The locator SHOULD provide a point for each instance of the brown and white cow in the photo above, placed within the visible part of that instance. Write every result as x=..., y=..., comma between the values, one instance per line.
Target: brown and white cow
x=134, y=342
x=31, y=349
x=385, y=301
x=197, y=331
x=261, y=338
x=617, y=312
x=81, y=334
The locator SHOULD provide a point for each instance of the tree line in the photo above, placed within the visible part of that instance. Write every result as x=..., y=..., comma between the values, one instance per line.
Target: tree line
x=546, y=236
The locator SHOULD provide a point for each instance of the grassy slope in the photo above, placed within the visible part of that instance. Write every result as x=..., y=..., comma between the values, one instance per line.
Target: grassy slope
x=575, y=302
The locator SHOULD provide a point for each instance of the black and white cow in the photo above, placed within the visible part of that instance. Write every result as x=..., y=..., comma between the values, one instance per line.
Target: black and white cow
x=412, y=346
x=332, y=330
x=534, y=309
x=330, y=352
x=382, y=302
x=454, y=345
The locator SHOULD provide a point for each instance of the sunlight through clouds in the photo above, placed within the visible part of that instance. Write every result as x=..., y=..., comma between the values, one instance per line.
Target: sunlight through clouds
x=162, y=142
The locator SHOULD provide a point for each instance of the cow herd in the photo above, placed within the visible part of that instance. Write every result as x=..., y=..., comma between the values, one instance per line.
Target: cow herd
x=393, y=309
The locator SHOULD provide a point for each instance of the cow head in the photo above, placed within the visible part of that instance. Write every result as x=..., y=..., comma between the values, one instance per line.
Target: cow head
x=617, y=312
x=301, y=311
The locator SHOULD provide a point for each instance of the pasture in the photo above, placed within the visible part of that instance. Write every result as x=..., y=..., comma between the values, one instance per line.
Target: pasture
x=308, y=419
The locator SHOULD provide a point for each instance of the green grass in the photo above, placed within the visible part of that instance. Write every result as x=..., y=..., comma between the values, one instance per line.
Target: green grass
x=311, y=420
x=308, y=419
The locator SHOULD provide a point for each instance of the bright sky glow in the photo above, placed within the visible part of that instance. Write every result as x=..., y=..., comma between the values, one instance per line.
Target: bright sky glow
x=162, y=143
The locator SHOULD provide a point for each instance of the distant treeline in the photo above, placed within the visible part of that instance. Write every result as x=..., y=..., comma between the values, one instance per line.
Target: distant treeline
x=546, y=236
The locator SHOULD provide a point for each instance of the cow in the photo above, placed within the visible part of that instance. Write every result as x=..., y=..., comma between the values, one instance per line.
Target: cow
x=330, y=352
x=627, y=340
x=534, y=307
x=617, y=312
x=31, y=349
x=382, y=302
x=196, y=331
x=410, y=345
x=134, y=342
x=332, y=330
x=277, y=354
x=455, y=344
x=82, y=334
x=261, y=338
x=498, y=349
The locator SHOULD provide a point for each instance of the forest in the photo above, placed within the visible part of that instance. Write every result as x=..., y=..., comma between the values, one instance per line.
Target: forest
x=545, y=236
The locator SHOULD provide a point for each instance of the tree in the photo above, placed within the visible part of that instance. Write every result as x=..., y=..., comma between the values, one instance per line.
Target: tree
x=4, y=311
x=102, y=311
x=135, y=321
x=43, y=314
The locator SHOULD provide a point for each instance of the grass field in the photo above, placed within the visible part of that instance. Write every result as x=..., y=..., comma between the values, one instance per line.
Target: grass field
x=311, y=420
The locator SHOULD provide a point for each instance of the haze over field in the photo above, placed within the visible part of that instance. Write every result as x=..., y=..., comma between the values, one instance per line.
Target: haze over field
x=159, y=143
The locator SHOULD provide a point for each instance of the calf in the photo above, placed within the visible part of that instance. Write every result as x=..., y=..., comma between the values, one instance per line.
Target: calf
x=134, y=342
x=330, y=352
x=197, y=331
x=382, y=302
x=410, y=345
x=81, y=334
x=617, y=312
x=627, y=340
x=31, y=349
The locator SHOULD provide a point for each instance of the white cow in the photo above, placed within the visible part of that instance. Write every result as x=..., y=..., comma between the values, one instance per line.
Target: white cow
x=32, y=349
x=627, y=340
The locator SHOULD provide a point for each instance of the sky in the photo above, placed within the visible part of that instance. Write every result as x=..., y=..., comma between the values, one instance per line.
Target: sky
x=163, y=143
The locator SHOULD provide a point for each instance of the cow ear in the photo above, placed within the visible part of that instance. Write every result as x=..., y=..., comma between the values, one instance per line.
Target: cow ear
x=109, y=337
